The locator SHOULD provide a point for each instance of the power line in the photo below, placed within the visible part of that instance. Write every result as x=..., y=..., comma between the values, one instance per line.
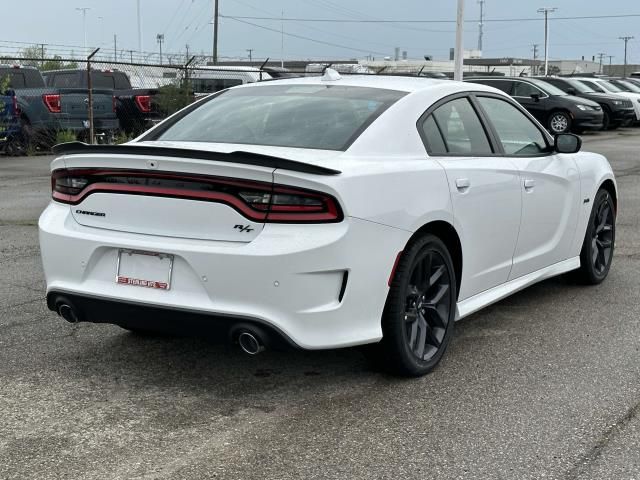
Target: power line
x=322, y=42
x=493, y=20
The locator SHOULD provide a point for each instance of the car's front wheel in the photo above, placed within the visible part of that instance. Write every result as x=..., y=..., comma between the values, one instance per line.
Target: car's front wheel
x=559, y=122
x=599, y=240
x=418, y=318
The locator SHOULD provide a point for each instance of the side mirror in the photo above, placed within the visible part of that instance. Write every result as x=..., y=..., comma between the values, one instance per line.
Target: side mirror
x=571, y=91
x=536, y=97
x=567, y=143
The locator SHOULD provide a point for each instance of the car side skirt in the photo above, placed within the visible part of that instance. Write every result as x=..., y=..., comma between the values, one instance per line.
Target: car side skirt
x=495, y=294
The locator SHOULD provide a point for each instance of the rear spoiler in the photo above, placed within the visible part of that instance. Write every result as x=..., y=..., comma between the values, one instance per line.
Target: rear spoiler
x=247, y=158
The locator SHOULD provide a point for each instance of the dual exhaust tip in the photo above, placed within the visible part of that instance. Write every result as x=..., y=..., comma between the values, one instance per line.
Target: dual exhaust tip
x=250, y=339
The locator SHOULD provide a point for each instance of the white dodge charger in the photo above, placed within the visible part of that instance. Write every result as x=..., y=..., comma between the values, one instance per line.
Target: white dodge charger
x=326, y=212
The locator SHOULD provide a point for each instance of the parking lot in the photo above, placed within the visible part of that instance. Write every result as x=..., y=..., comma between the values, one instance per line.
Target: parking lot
x=545, y=384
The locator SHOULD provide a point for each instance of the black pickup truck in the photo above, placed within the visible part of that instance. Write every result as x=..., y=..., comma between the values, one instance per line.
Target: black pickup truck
x=38, y=112
x=137, y=108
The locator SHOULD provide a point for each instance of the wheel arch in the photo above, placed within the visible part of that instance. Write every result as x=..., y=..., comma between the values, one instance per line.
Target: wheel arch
x=449, y=236
x=610, y=187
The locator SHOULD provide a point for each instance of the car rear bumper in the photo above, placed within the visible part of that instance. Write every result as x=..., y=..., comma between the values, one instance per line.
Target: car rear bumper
x=321, y=286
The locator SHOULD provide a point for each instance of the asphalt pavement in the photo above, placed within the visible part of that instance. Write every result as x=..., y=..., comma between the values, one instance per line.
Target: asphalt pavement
x=545, y=384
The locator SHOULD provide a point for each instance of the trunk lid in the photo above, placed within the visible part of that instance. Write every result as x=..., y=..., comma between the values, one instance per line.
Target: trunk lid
x=75, y=103
x=173, y=197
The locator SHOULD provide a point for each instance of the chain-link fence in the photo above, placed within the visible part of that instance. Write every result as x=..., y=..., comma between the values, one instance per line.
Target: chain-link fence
x=48, y=101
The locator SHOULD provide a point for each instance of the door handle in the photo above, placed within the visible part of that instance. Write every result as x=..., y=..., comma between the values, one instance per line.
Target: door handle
x=529, y=184
x=463, y=184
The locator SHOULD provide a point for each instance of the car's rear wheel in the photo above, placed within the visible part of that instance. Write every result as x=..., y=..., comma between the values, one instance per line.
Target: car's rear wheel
x=599, y=241
x=559, y=122
x=418, y=318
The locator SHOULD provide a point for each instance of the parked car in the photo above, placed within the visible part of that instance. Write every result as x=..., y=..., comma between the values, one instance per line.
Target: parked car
x=43, y=111
x=208, y=80
x=617, y=109
x=624, y=84
x=340, y=212
x=602, y=85
x=136, y=108
x=559, y=112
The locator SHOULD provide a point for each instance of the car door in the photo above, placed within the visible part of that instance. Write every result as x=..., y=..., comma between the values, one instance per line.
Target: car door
x=531, y=98
x=484, y=188
x=550, y=187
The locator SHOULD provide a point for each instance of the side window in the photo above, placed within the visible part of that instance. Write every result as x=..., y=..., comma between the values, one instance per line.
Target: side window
x=460, y=128
x=517, y=133
x=435, y=142
x=523, y=89
x=593, y=86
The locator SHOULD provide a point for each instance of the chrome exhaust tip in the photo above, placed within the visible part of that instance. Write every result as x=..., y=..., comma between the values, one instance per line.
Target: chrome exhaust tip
x=68, y=313
x=250, y=343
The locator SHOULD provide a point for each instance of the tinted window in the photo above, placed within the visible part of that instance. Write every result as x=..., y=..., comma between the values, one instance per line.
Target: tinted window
x=546, y=87
x=435, y=142
x=298, y=115
x=461, y=128
x=504, y=85
x=523, y=89
x=517, y=133
x=103, y=80
x=65, y=80
x=22, y=77
x=122, y=81
x=593, y=86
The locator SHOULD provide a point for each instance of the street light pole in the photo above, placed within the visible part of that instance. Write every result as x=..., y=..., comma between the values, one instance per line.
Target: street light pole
x=84, y=26
x=626, y=41
x=160, y=39
x=546, y=11
x=215, y=31
x=459, y=53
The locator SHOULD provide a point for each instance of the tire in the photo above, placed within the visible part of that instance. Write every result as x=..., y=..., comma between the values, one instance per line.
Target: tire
x=606, y=120
x=599, y=241
x=414, y=338
x=559, y=122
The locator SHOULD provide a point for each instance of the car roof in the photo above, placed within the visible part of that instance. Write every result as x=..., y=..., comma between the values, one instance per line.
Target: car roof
x=389, y=82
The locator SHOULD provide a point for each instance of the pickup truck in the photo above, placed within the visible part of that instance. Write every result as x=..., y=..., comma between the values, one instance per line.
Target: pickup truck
x=137, y=108
x=37, y=113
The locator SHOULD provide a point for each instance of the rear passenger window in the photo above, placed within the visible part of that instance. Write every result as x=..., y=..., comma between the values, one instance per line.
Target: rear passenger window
x=435, y=142
x=523, y=89
x=461, y=130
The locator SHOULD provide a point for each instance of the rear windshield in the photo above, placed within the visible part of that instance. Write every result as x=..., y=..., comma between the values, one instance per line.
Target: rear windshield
x=327, y=117
x=579, y=86
x=22, y=77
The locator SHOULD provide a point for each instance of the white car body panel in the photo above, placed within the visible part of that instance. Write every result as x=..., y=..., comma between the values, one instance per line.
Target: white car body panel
x=290, y=276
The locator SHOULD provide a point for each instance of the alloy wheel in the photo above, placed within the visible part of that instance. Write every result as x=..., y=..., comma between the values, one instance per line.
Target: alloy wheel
x=428, y=304
x=559, y=123
x=602, y=238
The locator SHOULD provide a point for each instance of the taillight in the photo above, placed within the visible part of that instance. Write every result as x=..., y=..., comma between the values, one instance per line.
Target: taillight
x=52, y=102
x=258, y=201
x=143, y=102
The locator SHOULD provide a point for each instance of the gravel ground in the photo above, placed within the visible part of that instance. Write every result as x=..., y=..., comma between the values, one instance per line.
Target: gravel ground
x=545, y=384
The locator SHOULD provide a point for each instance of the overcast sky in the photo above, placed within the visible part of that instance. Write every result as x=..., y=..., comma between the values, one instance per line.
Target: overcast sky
x=188, y=22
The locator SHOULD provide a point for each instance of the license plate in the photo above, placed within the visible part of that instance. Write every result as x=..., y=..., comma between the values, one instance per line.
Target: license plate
x=144, y=269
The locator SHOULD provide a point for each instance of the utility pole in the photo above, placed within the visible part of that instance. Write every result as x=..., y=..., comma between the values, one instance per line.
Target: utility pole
x=42, y=51
x=626, y=41
x=459, y=51
x=160, y=39
x=481, y=24
x=535, y=56
x=250, y=50
x=115, y=47
x=187, y=47
x=84, y=26
x=215, y=31
x=282, y=40
x=546, y=11
x=601, y=56
x=139, y=27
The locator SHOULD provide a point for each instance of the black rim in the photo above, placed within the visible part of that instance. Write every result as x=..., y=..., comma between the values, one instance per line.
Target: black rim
x=428, y=305
x=602, y=240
